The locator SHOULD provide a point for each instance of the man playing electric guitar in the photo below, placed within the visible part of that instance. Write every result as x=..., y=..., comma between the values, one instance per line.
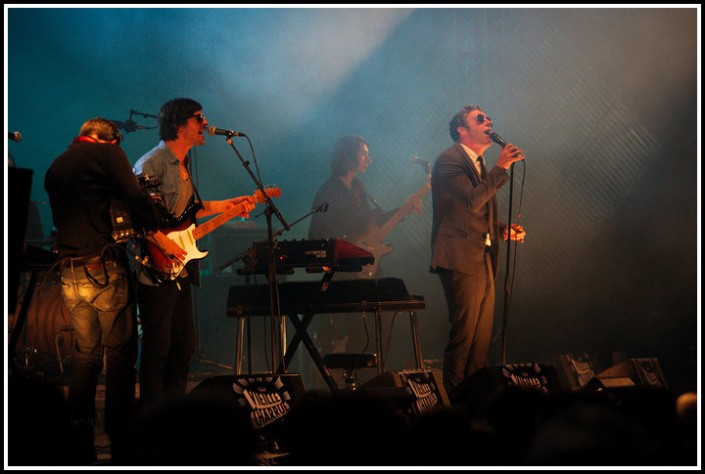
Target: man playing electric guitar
x=172, y=248
x=350, y=216
x=165, y=304
x=349, y=213
x=373, y=237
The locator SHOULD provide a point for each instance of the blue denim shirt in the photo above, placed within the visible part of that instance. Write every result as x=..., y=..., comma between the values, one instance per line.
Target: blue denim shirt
x=161, y=163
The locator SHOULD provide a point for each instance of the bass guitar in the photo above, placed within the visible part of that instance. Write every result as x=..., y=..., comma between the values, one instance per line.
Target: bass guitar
x=373, y=238
x=169, y=252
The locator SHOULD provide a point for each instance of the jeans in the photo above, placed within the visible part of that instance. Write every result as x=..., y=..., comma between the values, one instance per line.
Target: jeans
x=100, y=299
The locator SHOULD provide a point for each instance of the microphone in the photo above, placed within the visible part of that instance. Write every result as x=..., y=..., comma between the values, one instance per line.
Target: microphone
x=135, y=112
x=426, y=164
x=498, y=140
x=227, y=133
x=14, y=136
x=130, y=125
x=417, y=160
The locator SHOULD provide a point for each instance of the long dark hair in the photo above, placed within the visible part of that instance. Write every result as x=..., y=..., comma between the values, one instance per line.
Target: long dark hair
x=345, y=154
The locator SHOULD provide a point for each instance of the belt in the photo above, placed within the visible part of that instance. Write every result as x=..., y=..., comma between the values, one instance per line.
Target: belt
x=95, y=261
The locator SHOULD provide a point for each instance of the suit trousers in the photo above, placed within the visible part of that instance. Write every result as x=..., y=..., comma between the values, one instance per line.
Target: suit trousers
x=470, y=298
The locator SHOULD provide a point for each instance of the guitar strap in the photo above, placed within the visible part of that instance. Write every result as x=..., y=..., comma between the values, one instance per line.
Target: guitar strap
x=192, y=267
x=197, y=197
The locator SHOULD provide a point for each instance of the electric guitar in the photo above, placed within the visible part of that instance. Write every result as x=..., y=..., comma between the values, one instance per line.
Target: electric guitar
x=169, y=253
x=373, y=237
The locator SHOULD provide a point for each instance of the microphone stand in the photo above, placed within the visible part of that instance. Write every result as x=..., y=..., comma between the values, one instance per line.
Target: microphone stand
x=322, y=208
x=130, y=125
x=243, y=254
x=507, y=285
x=275, y=308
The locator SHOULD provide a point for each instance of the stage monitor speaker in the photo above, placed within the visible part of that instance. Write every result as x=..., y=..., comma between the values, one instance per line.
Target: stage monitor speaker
x=477, y=390
x=574, y=370
x=267, y=397
x=630, y=373
x=424, y=389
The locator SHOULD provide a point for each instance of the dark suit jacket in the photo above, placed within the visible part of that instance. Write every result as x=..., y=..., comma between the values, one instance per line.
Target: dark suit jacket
x=464, y=210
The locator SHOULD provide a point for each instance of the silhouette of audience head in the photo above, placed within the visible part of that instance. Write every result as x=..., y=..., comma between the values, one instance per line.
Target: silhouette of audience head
x=350, y=429
x=38, y=427
x=203, y=429
x=451, y=437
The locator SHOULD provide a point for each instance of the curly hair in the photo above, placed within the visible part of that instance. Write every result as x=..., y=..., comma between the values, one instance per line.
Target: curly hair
x=460, y=120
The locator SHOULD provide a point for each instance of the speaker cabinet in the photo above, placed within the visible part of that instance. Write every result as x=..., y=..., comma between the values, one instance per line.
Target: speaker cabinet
x=267, y=397
x=630, y=373
x=423, y=390
x=574, y=370
x=477, y=390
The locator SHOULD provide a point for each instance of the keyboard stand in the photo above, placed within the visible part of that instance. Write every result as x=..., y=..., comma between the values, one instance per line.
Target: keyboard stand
x=302, y=300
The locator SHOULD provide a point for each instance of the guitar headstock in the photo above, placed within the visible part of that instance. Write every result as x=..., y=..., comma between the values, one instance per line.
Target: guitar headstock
x=270, y=191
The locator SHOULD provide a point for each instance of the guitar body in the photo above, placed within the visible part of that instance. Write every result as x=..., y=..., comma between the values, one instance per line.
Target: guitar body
x=379, y=249
x=169, y=253
x=373, y=237
x=172, y=266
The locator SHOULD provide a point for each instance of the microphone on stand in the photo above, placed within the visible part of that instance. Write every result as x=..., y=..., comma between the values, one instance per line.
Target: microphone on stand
x=129, y=125
x=227, y=133
x=426, y=164
x=14, y=136
x=417, y=160
x=135, y=112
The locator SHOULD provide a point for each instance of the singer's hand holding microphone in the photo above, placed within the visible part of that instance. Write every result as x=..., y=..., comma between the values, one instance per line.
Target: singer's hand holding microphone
x=510, y=153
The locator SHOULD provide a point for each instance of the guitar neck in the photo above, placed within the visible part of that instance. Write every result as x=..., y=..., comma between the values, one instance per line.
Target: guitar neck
x=212, y=224
x=387, y=227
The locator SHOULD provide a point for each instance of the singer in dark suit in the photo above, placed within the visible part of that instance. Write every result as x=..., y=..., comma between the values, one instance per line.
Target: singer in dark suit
x=464, y=239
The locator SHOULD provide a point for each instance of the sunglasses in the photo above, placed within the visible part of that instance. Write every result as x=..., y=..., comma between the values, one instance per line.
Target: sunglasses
x=481, y=118
x=199, y=117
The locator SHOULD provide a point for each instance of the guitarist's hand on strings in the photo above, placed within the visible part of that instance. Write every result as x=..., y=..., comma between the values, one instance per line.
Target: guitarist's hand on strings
x=168, y=246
